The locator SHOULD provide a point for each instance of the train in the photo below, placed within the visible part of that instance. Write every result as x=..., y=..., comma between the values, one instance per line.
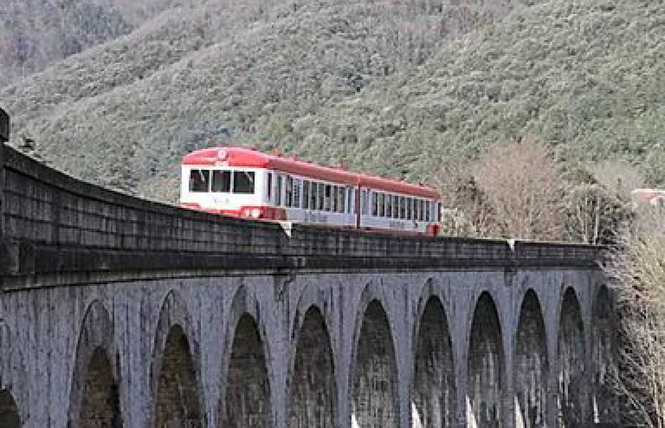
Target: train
x=244, y=182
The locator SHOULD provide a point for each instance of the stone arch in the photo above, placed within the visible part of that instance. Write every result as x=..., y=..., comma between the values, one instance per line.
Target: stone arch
x=94, y=398
x=433, y=390
x=530, y=365
x=603, y=350
x=312, y=389
x=572, y=394
x=245, y=399
x=9, y=415
x=312, y=296
x=175, y=372
x=13, y=376
x=485, y=379
x=374, y=393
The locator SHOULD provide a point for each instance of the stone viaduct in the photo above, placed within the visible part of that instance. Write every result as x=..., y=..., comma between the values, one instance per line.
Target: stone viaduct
x=121, y=312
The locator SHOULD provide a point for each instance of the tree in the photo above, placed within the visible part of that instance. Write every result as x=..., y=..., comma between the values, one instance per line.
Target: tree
x=467, y=212
x=594, y=212
x=638, y=270
x=523, y=190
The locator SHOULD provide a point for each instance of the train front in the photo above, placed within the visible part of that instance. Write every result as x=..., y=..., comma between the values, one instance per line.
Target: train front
x=219, y=180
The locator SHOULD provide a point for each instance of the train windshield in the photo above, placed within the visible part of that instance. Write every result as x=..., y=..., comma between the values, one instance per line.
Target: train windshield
x=221, y=181
x=243, y=182
x=199, y=180
x=204, y=180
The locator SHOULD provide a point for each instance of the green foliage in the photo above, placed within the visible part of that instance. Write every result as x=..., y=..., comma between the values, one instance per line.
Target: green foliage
x=394, y=88
x=35, y=32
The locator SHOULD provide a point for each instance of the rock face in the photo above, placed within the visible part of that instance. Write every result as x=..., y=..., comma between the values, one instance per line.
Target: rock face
x=116, y=311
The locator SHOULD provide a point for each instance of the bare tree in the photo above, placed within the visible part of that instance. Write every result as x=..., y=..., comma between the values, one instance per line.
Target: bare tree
x=618, y=176
x=523, y=190
x=638, y=270
x=467, y=212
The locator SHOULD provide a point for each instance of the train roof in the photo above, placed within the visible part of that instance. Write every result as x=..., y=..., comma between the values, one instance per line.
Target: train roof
x=244, y=157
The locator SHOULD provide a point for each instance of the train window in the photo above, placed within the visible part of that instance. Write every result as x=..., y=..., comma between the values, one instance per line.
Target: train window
x=361, y=201
x=391, y=206
x=387, y=206
x=221, y=181
x=333, y=199
x=349, y=200
x=313, y=195
x=269, y=186
x=439, y=211
x=243, y=182
x=380, y=206
x=305, y=194
x=375, y=208
x=297, y=185
x=402, y=207
x=288, y=194
x=199, y=180
x=320, y=196
x=327, y=198
x=409, y=208
x=428, y=211
x=416, y=209
x=341, y=197
x=278, y=191
x=364, y=201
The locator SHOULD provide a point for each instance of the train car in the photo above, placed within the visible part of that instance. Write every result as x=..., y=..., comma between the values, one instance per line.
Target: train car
x=243, y=182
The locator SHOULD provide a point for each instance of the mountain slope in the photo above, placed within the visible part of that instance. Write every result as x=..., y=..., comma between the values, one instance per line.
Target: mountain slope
x=585, y=78
x=378, y=86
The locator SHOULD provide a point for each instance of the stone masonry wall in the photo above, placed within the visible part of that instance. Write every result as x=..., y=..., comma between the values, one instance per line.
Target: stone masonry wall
x=256, y=322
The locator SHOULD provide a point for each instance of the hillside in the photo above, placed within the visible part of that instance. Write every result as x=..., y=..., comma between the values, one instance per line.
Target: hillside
x=36, y=33
x=389, y=87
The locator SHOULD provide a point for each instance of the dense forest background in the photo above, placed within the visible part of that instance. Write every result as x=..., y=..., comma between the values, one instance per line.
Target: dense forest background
x=116, y=91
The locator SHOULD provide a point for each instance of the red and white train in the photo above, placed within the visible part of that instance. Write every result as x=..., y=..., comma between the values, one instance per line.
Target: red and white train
x=246, y=183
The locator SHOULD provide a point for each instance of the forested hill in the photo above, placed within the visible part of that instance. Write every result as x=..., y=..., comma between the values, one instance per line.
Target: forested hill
x=396, y=87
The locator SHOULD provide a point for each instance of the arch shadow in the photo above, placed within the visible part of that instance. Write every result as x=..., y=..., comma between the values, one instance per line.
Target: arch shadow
x=175, y=372
x=9, y=414
x=486, y=366
x=94, y=386
x=245, y=398
x=433, y=386
x=572, y=381
x=373, y=374
x=530, y=364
